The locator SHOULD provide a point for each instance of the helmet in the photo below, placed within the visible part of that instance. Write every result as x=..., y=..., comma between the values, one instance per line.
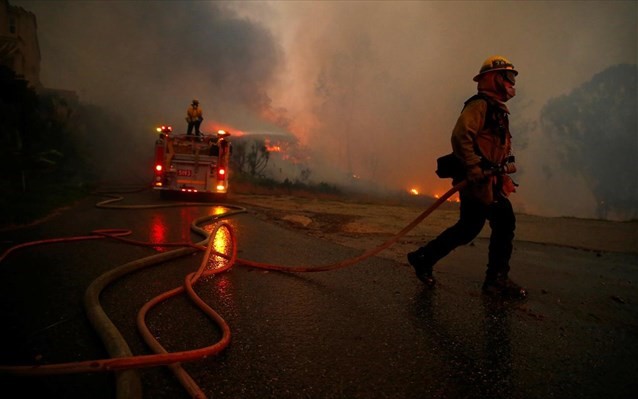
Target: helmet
x=495, y=63
x=195, y=102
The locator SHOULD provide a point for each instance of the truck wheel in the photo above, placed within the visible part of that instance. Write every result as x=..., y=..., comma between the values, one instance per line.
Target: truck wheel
x=168, y=195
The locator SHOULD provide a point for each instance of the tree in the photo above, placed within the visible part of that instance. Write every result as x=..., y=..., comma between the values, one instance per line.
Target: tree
x=594, y=129
x=42, y=163
x=257, y=158
x=250, y=156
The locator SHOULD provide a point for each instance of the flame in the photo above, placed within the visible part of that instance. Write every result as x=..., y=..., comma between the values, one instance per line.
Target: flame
x=454, y=198
x=271, y=147
x=214, y=126
x=414, y=191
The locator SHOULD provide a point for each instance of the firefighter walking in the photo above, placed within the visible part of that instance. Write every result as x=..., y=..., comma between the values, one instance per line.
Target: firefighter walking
x=481, y=142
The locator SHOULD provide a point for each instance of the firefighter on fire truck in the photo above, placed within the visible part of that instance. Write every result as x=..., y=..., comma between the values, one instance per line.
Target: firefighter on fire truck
x=194, y=118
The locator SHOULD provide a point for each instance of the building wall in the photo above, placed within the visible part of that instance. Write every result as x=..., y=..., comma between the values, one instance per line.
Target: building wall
x=19, y=47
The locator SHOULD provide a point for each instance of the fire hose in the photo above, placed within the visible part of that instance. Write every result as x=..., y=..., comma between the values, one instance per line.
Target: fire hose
x=122, y=361
x=366, y=254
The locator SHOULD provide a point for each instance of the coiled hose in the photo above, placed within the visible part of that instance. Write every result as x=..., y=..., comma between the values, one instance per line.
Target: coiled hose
x=122, y=361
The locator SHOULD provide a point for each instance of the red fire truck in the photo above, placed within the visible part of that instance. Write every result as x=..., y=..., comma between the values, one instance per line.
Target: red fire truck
x=191, y=164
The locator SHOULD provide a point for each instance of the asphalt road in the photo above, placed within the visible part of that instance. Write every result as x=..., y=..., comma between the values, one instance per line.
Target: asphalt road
x=367, y=331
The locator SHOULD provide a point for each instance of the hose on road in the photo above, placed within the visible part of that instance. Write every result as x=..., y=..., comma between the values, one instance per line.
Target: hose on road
x=122, y=360
x=367, y=254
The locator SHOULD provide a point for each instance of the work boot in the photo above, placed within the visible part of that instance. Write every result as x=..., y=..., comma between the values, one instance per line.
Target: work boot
x=503, y=287
x=423, y=267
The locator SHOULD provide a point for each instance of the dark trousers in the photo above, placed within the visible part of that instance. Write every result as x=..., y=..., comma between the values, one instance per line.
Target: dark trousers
x=195, y=125
x=473, y=216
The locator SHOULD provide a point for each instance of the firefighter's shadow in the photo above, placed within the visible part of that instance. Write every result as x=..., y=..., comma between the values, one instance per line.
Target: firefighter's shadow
x=497, y=329
x=483, y=357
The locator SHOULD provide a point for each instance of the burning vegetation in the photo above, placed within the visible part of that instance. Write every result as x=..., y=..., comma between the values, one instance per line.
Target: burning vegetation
x=264, y=156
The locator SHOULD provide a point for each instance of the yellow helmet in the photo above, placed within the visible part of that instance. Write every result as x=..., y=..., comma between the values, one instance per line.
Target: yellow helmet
x=495, y=63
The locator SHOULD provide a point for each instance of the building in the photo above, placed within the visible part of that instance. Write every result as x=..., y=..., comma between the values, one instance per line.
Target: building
x=19, y=47
x=20, y=52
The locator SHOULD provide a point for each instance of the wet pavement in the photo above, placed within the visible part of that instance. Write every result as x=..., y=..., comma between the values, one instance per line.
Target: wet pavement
x=367, y=331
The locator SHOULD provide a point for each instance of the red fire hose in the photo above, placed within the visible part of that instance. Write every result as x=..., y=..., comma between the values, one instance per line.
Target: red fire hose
x=122, y=360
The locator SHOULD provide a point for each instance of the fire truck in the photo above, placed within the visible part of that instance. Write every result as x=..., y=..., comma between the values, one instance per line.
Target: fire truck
x=195, y=165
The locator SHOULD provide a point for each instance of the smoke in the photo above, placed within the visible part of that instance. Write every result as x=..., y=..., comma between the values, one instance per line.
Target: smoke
x=377, y=86
x=372, y=88
x=148, y=60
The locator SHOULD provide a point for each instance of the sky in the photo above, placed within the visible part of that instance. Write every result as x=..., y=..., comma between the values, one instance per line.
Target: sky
x=371, y=88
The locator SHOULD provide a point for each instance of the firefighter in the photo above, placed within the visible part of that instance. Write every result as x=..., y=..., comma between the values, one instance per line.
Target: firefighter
x=481, y=141
x=194, y=118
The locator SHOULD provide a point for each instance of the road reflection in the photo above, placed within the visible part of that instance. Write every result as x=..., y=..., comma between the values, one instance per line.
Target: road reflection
x=477, y=350
x=498, y=349
x=222, y=241
x=158, y=232
x=161, y=231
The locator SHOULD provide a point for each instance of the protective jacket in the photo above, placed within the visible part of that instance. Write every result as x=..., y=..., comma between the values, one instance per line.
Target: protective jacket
x=193, y=114
x=482, y=137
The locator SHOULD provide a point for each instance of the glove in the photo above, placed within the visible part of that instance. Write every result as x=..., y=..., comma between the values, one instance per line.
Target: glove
x=508, y=186
x=475, y=174
x=508, y=168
